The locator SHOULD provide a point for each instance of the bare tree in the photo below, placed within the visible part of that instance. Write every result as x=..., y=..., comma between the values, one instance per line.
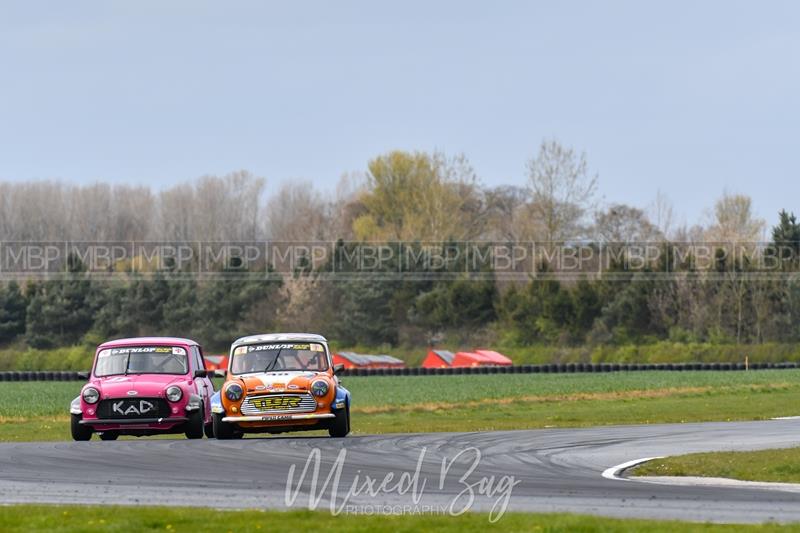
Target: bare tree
x=562, y=190
x=296, y=213
x=132, y=213
x=345, y=207
x=733, y=220
x=176, y=213
x=227, y=208
x=662, y=214
x=212, y=209
x=623, y=223
x=34, y=211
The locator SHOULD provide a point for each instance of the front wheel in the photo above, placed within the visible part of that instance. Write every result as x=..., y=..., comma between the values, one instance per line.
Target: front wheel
x=223, y=430
x=194, y=427
x=79, y=431
x=341, y=424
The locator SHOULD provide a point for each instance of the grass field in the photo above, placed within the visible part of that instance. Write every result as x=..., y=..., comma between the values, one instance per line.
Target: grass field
x=39, y=410
x=63, y=519
x=782, y=466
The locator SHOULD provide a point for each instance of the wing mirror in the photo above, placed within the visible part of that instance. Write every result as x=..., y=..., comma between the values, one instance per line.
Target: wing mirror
x=201, y=373
x=83, y=375
x=338, y=369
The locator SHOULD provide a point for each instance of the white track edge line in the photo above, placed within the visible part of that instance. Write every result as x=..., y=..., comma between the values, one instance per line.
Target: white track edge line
x=614, y=471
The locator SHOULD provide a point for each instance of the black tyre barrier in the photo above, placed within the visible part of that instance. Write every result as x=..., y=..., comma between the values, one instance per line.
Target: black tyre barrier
x=551, y=368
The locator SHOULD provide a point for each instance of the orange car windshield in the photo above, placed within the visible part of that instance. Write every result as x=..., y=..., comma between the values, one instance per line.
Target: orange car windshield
x=279, y=358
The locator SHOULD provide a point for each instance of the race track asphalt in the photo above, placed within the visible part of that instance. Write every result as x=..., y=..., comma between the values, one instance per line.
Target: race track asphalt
x=552, y=470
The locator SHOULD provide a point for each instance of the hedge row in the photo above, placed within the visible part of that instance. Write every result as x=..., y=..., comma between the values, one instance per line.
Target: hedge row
x=564, y=368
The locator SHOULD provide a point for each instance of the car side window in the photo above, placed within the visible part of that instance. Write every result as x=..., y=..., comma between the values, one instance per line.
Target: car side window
x=198, y=359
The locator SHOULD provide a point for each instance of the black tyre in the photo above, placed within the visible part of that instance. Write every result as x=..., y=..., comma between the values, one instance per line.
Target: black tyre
x=208, y=429
x=109, y=435
x=79, y=432
x=341, y=424
x=194, y=427
x=223, y=430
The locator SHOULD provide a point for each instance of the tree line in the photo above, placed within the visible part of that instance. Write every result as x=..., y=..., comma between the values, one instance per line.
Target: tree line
x=401, y=197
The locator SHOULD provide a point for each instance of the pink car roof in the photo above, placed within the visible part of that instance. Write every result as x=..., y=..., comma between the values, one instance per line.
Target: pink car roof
x=145, y=341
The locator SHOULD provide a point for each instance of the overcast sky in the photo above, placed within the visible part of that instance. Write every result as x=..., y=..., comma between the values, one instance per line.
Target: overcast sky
x=687, y=97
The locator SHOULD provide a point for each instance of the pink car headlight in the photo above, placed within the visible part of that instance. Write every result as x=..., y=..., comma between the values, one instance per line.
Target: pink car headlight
x=91, y=395
x=174, y=393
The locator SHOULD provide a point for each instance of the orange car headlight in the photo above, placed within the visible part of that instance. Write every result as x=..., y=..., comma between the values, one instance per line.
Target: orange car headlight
x=234, y=392
x=319, y=387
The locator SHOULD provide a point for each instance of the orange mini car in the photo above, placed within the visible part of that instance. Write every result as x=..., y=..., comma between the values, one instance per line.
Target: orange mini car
x=278, y=383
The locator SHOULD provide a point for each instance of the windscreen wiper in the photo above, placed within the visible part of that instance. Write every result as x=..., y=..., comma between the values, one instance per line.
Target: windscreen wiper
x=274, y=361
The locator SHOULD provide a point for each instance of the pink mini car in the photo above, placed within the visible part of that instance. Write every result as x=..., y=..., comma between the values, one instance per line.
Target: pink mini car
x=145, y=386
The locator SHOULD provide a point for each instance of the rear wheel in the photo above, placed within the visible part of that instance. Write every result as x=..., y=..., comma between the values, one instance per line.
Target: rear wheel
x=223, y=430
x=79, y=432
x=109, y=435
x=341, y=424
x=194, y=427
x=208, y=429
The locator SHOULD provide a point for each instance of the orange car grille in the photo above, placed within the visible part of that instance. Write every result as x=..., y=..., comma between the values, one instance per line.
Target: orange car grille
x=278, y=403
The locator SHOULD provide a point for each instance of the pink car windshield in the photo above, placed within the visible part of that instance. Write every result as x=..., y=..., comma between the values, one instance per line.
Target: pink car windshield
x=279, y=357
x=141, y=360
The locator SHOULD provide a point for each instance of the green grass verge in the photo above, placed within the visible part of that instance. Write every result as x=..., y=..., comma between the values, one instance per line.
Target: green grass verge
x=782, y=466
x=64, y=519
x=38, y=410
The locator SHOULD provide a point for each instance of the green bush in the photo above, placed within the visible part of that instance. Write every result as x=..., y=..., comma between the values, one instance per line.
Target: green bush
x=67, y=358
